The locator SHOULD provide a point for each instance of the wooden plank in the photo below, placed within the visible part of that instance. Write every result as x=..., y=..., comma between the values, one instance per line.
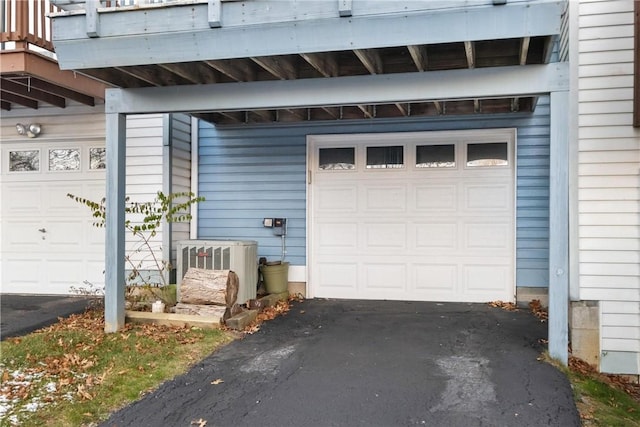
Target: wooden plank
x=281, y=67
x=371, y=60
x=353, y=90
x=558, y=229
x=419, y=55
x=114, y=229
x=325, y=63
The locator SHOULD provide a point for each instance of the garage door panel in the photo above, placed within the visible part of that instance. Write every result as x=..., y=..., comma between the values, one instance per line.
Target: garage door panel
x=436, y=236
x=58, y=203
x=337, y=237
x=335, y=274
x=485, y=278
x=385, y=237
x=436, y=277
x=387, y=276
x=488, y=197
x=65, y=235
x=333, y=199
x=385, y=198
x=488, y=236
x=64, y=273
x=22, y=272
x=25, y=199
x=436, y=198
x=22, y=235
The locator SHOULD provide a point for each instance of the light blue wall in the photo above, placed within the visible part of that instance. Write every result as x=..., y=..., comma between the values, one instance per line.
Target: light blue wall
x=247, y=173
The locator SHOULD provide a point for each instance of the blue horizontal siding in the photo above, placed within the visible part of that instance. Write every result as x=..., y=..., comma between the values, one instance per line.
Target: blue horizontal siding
x=247, y=173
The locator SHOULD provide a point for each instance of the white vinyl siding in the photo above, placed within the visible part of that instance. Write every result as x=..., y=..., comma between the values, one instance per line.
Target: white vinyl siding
x=609, y=165
x=144, y=176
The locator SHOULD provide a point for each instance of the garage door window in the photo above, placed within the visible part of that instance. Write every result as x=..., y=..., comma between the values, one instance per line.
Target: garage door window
x=488, y=154
x=391, y=157
x=24, y=161
x=97, y=158
x=64, y=159
x=435, y=156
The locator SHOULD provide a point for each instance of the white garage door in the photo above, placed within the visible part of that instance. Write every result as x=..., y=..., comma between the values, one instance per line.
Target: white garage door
x=47, y=241
x=412, y=216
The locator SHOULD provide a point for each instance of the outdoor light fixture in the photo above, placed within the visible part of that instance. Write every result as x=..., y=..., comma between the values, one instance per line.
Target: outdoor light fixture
x=31, y=130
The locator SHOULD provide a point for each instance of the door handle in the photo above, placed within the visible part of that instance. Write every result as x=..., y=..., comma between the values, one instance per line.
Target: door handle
x=42, y=230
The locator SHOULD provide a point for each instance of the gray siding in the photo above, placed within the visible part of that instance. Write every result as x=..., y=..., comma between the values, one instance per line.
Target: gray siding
x=248, y=173
x=180, y=171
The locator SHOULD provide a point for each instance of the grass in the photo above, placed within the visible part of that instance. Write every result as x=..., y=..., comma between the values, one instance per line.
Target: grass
x=73, y=374
x=602, y=400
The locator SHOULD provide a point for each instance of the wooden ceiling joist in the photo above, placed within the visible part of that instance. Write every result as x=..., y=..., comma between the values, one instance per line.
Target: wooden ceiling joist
x=325, y=63
x=403, y=108
x=524, y=50
x=16, y=99
x=194, y=72
x=116, y=78
x=280, y=66
x=469, y=50
x=419, y=55
x=32, y=93
x=371, y=60
x=240, y=70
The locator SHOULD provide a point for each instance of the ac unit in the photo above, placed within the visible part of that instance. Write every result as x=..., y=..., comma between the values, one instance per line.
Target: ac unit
x=239, y=256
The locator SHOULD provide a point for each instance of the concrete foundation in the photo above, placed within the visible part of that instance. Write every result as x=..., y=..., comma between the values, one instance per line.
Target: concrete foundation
x=525, y=295
x=584, y=323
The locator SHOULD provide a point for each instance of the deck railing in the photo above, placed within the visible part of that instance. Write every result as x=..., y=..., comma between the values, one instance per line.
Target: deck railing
x=25, y=22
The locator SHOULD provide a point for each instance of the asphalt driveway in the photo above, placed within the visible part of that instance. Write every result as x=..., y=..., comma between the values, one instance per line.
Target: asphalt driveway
x=21, y=314
x=371, y=363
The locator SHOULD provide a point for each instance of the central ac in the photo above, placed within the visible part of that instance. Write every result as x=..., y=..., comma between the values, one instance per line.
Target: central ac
x=240, y=256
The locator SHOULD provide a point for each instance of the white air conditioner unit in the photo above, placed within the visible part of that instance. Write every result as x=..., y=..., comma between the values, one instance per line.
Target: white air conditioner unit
x=239, y=256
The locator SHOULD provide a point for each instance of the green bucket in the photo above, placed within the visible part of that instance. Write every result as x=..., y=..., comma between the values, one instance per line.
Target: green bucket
x=276, y=277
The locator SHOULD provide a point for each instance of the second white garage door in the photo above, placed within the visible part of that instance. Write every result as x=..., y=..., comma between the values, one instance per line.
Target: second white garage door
x=412, y=216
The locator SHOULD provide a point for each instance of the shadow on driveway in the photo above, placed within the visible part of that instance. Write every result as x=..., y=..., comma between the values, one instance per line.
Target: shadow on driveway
x=371, y=363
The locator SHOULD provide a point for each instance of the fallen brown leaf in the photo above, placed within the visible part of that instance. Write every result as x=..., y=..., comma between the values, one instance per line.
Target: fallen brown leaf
x=199, y=423
x=218, y=381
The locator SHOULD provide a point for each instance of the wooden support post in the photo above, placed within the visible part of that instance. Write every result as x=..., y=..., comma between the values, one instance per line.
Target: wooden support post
x=214, y=10
x=559, y=228
x=114, y=236
x=93, y=20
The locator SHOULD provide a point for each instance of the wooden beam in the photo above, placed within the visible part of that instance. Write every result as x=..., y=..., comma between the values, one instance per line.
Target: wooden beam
x=371, y=60
x=404, y=110
x=281, y=67
x=492, y=82
x=116, y=78
x=61, y=91
x=33, y=93
x=325, y=63
x=470, y=52
x=439, y=107
x=419, y=55
x=15, y=99
x=183, y=33
x=524, y=50
x=235, y=116
x=240, y=70
x=154, y=76
x=332, y=111
x=558, y=227
x=265, y=115
x=515, y=104
x=194, y=72
x=476, y=106
x=116, y=144
x=369, y=111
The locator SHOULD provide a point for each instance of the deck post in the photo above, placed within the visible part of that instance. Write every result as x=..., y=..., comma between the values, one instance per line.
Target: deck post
x=559, y=228
x=114, y=235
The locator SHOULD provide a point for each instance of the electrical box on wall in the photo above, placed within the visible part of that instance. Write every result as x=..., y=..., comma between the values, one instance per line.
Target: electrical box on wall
x=280, y=226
